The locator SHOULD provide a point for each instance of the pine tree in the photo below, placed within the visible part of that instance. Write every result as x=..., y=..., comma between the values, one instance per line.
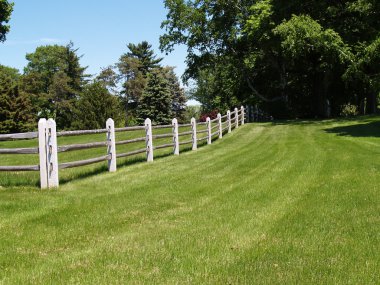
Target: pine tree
x=156, y=101
x=134, y=67
x=178, y=95
x=144, y=53
x=95, y=106
x=16, y=113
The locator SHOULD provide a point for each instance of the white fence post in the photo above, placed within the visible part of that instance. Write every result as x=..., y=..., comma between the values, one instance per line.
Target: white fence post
x=149, y=140
x=42, y=153
x=111, y=148
x=242, y=115
x=194, y=134
x=52, y=154
x=236, y=118
x=220, y=125
x=208, y=122
x=229, y=120
x=175, y=136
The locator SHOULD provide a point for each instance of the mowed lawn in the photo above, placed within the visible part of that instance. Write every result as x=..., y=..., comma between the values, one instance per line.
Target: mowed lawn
x=271, y=203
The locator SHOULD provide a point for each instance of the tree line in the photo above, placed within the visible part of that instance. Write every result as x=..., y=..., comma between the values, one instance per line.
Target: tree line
x=54, y=85
x=291, y=58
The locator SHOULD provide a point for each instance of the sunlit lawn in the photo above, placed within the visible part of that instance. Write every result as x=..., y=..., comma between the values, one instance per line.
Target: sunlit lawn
x=271, y=203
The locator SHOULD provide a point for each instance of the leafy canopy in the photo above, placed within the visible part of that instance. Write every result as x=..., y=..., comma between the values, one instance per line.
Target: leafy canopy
x=6, y=9
x=288, y=57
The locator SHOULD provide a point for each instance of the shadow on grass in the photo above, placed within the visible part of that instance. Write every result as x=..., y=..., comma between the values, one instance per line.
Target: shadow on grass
x=120, y=165
x=369, y=129
x=74, y=174
x=300, y=122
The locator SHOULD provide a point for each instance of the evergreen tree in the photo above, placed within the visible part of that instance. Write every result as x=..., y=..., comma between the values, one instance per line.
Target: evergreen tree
x=54, y=79
x=156, y=101
x=16, y=113
x=144, y=53
x=133, y=68
x=177, y=93
x=95, y=105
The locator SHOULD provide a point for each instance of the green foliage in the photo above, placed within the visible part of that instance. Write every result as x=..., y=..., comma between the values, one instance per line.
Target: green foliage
x=54, y=85
x=192, y=112
x=54, y=79
x=259, y=16
x=95, y=106
x=282, y=55
x=349, y=110
x=144, y=53
x=16, y=113
x=109, y=79
x=302, y=36
x=177, y=93
x=6, y=9
x=156, y=101
x=211, y=93
x=134, y=69
x=363, y=75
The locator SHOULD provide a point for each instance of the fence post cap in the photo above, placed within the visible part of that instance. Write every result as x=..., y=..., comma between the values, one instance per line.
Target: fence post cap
x=148, y=121
x=192, y=120
x=174, y=121
x=208, y=119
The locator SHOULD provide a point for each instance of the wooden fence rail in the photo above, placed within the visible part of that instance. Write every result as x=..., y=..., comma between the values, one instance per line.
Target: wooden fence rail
x=48, y=148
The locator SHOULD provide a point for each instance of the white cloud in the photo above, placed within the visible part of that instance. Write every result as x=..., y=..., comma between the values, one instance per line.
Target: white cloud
x=51, y=41
x=33, y=42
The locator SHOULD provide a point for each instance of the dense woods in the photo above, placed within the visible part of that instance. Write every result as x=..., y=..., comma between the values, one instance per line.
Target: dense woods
x=289, y=59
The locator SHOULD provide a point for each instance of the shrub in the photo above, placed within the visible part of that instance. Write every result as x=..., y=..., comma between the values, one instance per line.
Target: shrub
x=213, y=114
x=349, y=110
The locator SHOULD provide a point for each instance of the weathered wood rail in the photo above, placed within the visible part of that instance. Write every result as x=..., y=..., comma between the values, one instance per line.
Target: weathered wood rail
x=48, y=148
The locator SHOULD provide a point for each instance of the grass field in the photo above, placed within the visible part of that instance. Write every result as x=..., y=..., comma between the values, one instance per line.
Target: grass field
x=271, y=203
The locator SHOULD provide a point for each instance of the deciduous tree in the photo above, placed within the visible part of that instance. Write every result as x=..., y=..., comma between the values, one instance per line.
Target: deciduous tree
x=283, y=55
x=6, y=9
x=54, y=78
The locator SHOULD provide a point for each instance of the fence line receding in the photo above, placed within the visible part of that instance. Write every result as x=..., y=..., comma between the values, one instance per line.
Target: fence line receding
x=48, y=148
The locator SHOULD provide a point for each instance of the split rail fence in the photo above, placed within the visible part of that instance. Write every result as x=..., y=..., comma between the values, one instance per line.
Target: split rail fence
x=48, y=147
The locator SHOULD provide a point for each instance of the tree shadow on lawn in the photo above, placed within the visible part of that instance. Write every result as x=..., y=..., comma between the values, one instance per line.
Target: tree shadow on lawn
x=83, y=173
x=356, y=121
x=120, y=165
x=368, y=129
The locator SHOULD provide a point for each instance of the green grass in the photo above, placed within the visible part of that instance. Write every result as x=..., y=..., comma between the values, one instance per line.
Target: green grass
x=25, y=179
x=274, y=203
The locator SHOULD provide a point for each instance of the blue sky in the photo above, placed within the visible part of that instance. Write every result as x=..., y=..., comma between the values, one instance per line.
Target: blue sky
x=100, y=29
